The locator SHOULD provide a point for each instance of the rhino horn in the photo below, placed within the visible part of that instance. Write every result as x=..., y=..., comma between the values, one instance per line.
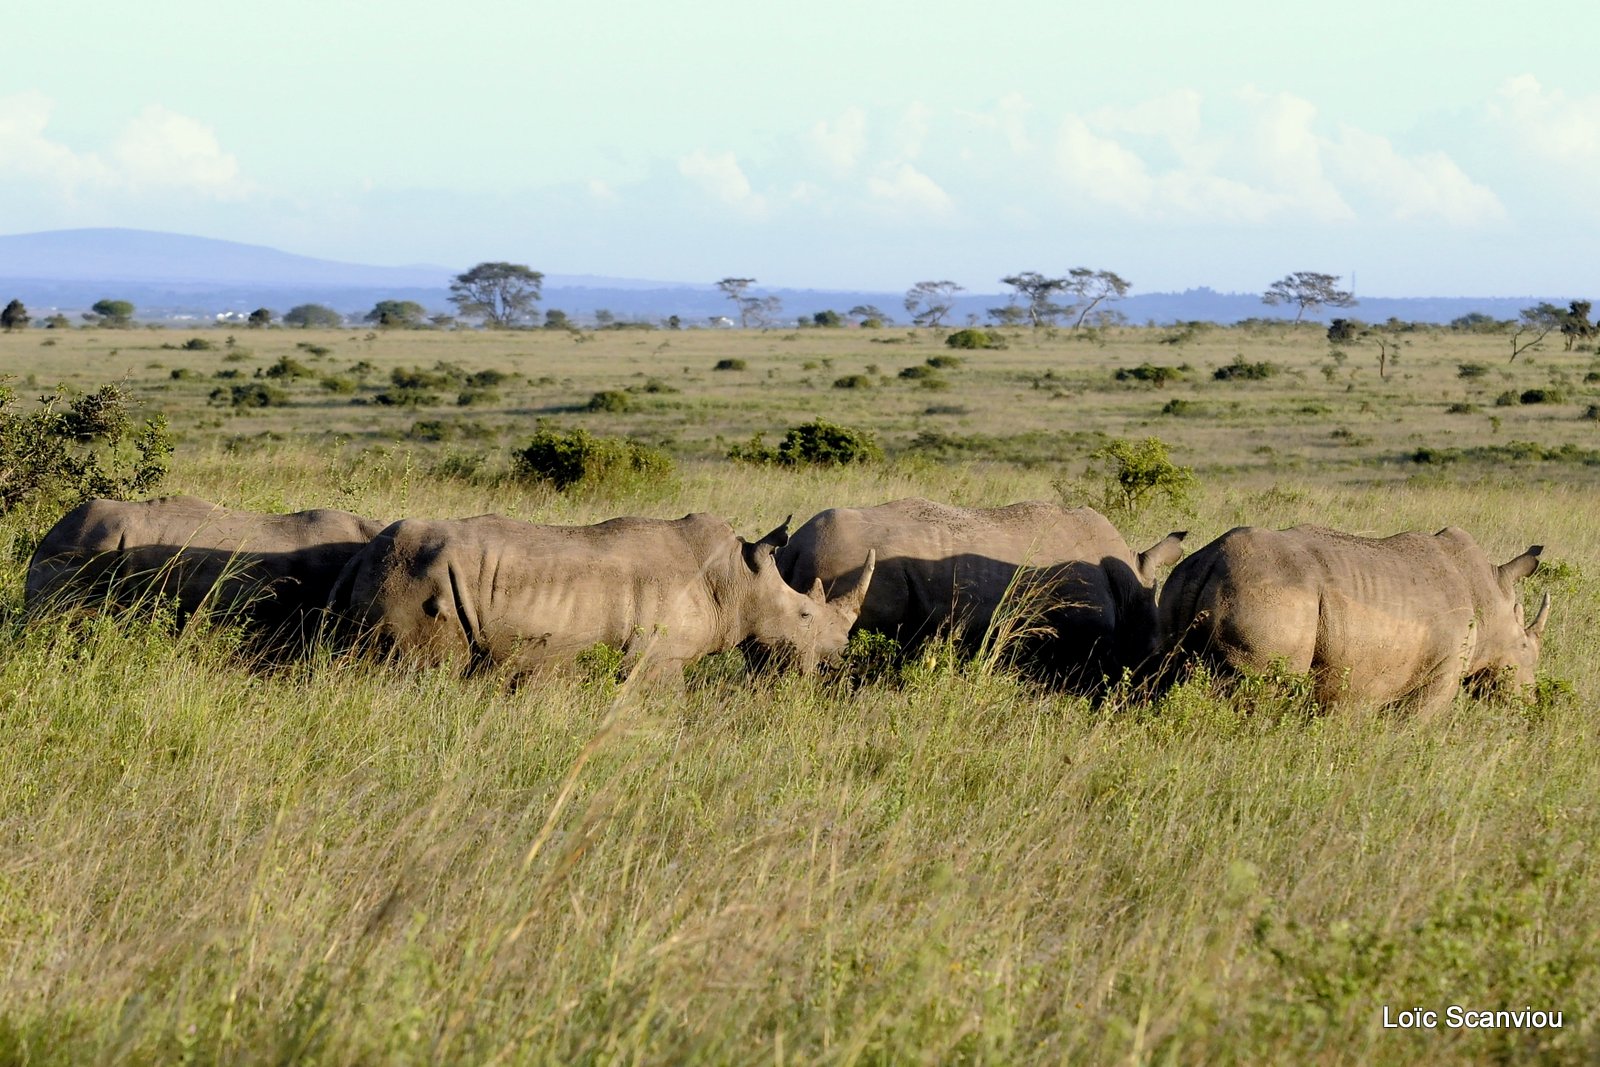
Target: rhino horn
x=852, y=599
x=1536, y=627
x=1163, y=553
x=1515, y=570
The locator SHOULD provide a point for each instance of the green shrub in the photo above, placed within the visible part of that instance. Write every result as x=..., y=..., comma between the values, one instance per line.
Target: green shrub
x=568, y=459
x=1133, y=471
x=251, y=395
x=654, y=386
x=406, y=397
x=183, y=374
x=1461, y=408
x=339, y=384
x=1157, y=376
x=448, y=430
x=817, y=443
x=1591, y=413
x=1179, y=406
x=920, y=371
x=1240, y=370
x=853, y=381
x=52, y=459
x=612, y=400
x=199, y=344
x=287, y=367
x=470, y=397
x=943, y=361
x=487, y=379
x=731, y=364
x=1543, y=396
x=1471, y=370
x=1507, y=399
x=974, y=338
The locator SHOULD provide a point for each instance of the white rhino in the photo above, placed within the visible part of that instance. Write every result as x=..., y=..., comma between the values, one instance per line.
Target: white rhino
x=272, y=572
x=940, y=566
x=494, y=591
x=1400, y=620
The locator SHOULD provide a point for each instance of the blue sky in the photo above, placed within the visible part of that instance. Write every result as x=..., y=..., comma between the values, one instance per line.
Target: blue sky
x=1426, y=148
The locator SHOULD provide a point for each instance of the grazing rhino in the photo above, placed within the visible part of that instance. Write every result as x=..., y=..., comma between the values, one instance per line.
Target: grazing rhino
x=944, y=566
x=493, y=591
x=1399, y=621
x=271, y=571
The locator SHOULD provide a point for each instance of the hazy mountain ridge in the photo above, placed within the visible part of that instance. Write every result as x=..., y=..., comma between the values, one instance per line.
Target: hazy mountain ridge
x=170, y=276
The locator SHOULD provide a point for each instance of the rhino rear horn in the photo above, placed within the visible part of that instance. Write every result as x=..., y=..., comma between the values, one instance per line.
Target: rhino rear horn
x=1536, y=627
x=1515, y=570
x=1164, y=553
x=852, y=599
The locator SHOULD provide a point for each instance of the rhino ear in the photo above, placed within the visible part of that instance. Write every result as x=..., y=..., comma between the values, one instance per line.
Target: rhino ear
x=779, y=536
x=1517, y=569
x=1164, y=553
x=817, y=593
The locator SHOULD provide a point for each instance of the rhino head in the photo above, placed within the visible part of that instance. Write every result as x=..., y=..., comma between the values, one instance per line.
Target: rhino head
x=1508, y=646
x=785, y=628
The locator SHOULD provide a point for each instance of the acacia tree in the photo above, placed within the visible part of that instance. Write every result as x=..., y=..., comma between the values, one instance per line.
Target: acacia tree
x=260, y=317
x=1092, y=288
x=1538, y=320
x=1308, y=291
x=111, y=312
x=930, y=302
x=1575, y=324
x=501, y=293
x=1036, y=291
x=14, y=317
x=734, y=289
x=396, y=313
x=870, y=316
x=306, y=316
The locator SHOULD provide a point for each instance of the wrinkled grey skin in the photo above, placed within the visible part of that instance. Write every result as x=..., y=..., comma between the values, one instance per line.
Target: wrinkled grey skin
x=1398, y=621
x=271, y=571
x=942, y=567
x=496, y=592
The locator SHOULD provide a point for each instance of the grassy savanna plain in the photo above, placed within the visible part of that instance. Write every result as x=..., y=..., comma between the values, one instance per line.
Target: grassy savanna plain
x=205, y=860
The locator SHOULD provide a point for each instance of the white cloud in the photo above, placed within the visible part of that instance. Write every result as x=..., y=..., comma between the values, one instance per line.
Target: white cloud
x=1009, y=117
x=162, y=149
x=840, y=143
x=911, y=132
x=721, y=177
x=1427, y=186
x=906, y=190
x=600, y=190
x=159, y=151
x=1259, y=158
x=1548, y=122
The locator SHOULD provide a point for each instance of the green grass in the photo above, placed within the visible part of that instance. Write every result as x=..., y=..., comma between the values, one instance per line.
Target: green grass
x=330, y=862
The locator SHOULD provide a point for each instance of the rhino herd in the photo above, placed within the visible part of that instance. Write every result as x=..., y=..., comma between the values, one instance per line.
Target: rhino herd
x=1401, y=621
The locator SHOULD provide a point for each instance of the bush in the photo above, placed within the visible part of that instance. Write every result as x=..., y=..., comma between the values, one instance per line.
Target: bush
x=405, y=396
x=1471, y=370
x=1543, y=396
x=251, y=395
x=731, y=364
x=469, y=397
x=1133, y=471
x=971, y=337
x=853, y=381
x=568, y=459
x=1179, y=406
x=199, y=344
x=1461, y=408
x=53, y=459
x=613, y=400
x=339, y=384
x=287, y=367
x=182, y=374
x=920, y=371
x=1157, y=376
x=817, y=443
x=944, y=362
x=1507, y=399
x=1240, y=370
